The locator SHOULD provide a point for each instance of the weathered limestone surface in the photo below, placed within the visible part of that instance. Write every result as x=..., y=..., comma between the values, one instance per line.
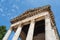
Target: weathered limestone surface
x=18, y=31
x=31, y=16
x=31, y=31
x=50, y=34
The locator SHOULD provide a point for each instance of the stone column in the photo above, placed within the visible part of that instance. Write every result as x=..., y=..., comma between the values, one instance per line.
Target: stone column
x=7, y=34
x=49, y=33
x=18, y=31
x=31, y=31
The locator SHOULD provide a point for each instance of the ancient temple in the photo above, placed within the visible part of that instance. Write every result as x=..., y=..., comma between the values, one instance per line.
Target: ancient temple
x=34, y=24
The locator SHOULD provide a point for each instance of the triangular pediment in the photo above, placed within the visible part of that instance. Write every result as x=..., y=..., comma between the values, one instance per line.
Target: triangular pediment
x=32, y=12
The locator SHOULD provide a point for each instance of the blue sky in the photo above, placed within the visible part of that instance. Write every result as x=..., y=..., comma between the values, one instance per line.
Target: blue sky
x=12, y=8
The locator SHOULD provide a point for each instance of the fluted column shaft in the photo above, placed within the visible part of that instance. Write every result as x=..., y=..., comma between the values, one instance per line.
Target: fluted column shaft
x=18, y=31
x=49, y=32
x=7, y=34
x=30, y=31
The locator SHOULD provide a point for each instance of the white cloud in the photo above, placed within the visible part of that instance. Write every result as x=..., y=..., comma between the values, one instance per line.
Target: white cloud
x=6, y=8
x=36, y=2
x=2, y=0
x=15, y=6
x=0, y=5
x=11, y=17
x=13, y=10
x=32, y=1
x=8, y=14
x=3, y=14
x=1, y=10
x=17, y=0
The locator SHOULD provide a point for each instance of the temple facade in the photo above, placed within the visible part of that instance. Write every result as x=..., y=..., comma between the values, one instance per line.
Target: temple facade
x=34, y=24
